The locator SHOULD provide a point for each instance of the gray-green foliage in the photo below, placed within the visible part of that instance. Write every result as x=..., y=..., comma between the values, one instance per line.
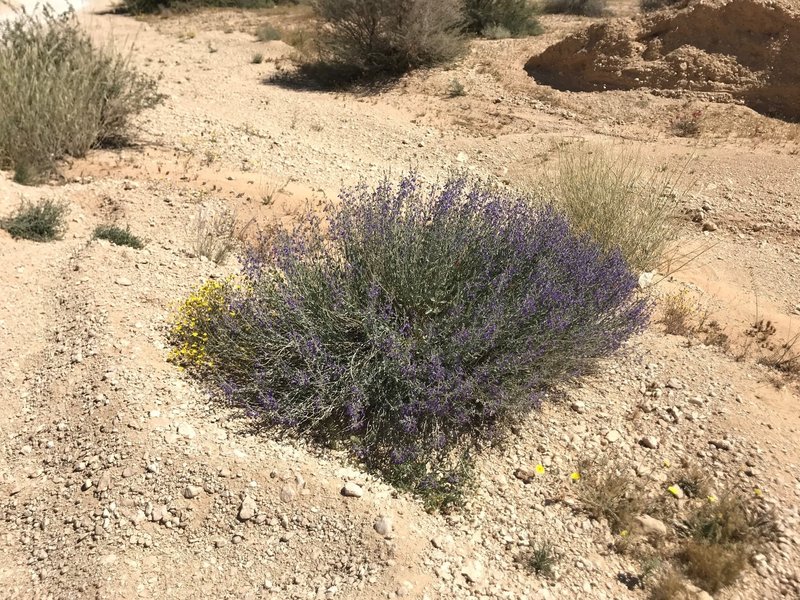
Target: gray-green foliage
x=60, y=94
x=41, y=222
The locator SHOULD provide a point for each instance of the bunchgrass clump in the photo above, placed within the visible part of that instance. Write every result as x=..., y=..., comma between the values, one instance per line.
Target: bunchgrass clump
x=60, y=94
x=669, y=586
x=713, y=566
x=409, y=323
x=517, y=18
x=679, y=313
x=542, y=559
x=610, y=495
x=268, y=33
x=43, y=221
x=585, y=8
x=618, y=202
x=118, y=236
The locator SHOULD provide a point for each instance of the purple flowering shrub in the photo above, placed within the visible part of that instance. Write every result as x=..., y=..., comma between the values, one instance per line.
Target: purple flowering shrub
x=410, y=323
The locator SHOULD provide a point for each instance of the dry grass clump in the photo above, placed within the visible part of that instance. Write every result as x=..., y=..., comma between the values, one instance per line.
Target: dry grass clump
x=606, y=494
x=218, y=233
x=711, y=566
x=669, y=586
x=618, y=202
x=679, y=314
x=60, y=95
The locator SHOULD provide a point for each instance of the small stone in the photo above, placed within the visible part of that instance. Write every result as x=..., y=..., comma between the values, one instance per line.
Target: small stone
x=675, y=384
x=462, y=157
x=524, y=475
x=86, y=485
x=128, y=472
x=646, y=280
x=186, y=430
x=649, y=525
x=352, y=490
x=124, y=281
x=288, y=493
x=384, y=526
x=192, y=491
x=105, y=482
x=443, y=542
x=613, y=436
x=721, y=444
x=473, y=571
x=248, y=509
x=709, y=226
x=649, y=441
x=578, y=406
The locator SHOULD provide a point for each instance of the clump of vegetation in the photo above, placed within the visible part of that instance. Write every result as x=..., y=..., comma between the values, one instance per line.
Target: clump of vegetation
x=456, y=89
x=619, y=203
x=711, y=566
x=61, y=95
x=218, y=233
x=410, y=323
x=542, y=559
x=669, y=586
x=388, y=37
x=586, y=8
x=516, y=17
x=267, y=33
x=784, y=357
x=118, y=236
x=257, y=58
x=653, y=5
x=41, y=222
x=607, y=494
x=157, y=6
x=679, y=313
x=687, y=123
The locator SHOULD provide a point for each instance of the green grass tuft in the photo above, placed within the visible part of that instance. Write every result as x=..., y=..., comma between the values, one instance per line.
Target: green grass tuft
x=117, y=235
x=40, y=222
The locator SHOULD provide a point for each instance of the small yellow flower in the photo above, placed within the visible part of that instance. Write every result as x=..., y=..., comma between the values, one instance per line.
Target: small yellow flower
x=757, y=491
x=575, y=476
x=539, y=469
x=624, y=533
x=667, y=464
x=674, y=490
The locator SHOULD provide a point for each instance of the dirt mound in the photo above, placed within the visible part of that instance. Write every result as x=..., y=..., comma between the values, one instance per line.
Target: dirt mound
x=744, y=48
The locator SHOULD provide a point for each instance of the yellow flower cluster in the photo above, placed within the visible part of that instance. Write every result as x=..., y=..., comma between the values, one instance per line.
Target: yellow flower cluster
x=191, y=324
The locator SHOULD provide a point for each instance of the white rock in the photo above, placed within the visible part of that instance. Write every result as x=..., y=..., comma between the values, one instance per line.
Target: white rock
x=192, y=491
x=649, y=525
x=186, y=430
x=649, y=441
x=613, y=436
x=248, y=508
x=384, y=526
x=473, y=570
x=124, y=281
x=352, y=490
x=646, y=280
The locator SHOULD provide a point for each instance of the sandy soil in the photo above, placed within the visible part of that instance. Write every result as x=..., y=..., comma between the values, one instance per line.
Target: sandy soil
x=100, y=437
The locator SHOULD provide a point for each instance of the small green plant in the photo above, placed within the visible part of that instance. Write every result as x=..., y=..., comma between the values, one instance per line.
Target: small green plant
x=542, y=559
x=456, y=89
x=517, y=17
x=267, y=33
x=118, y=236
x=41, y=222
x=586, y=8
x=257, y=58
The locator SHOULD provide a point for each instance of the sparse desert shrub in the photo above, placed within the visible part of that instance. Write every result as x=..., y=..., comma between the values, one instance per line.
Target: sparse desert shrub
x=496, y=32
x=607, y=494
x=409, y=323
x=40, y=222
x=784, y=357
x=712, y=566
x=679, y=313
x=267, y=33
x=117, y=235
x=517, y=17
x=669, y=586
x=614, y=199
x=687, y=123
x=586, y=8
x=389, y=36
x=218, y=233
x=155, y=6
x=730, y=520
x=257, y=58
x=60, y=94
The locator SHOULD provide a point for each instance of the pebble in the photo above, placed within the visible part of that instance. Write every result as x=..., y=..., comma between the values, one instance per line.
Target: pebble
x=578, y=406
x=675, y=384
x=473, y=570
x=649, y=441
x=384, y=526
x=288, y=493
x=192, y=491
x=613, y=436
x=86, y=485
x=721, y=444
x=124, y=281
x=709, y=226
x=650, y=525
x=186, y=430
x=248, y=508
x=352, y=490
